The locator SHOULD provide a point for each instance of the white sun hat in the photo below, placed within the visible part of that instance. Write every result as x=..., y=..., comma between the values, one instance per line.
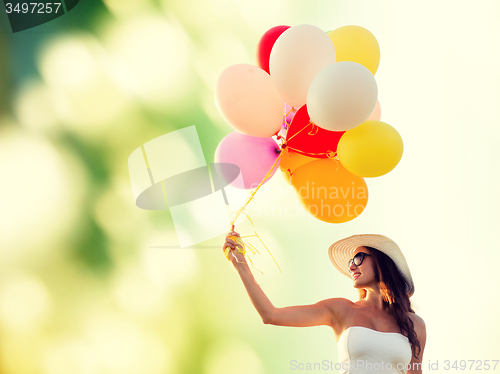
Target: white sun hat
x=342, y=251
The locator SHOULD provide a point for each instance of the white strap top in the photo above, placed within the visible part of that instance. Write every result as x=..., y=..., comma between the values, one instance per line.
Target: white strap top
x=363, y=350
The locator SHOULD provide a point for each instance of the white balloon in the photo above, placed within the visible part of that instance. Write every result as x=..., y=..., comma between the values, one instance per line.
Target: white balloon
x=298, y=55
x=342, y=96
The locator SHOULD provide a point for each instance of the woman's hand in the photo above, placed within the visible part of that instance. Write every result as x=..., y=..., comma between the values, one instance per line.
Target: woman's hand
x=234, y=256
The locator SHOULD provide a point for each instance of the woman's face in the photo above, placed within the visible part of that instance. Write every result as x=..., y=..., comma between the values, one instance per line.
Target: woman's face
x=363, y=276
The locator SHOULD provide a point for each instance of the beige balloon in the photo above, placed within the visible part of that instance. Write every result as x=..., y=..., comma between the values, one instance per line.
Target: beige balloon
x=248, y=101
x=298, y=55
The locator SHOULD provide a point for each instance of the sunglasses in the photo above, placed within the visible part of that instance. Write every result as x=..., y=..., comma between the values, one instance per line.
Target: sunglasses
x=357, y=260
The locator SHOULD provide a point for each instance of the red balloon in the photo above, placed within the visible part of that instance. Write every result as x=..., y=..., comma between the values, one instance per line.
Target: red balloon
x=266, y=44
x=313, y=139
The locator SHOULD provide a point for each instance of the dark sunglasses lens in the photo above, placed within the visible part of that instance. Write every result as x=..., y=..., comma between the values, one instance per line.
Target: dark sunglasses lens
x=358, y=259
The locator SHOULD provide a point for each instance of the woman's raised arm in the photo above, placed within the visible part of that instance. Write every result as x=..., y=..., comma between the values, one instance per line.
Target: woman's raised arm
x=326, y=312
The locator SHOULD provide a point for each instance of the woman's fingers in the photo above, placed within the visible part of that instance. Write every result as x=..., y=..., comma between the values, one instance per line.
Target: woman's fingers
x=230, y=242
x=233, y=243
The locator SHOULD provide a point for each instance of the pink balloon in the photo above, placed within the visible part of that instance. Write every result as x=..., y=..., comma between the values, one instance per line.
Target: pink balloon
x=247, y=99
x=377, y=113
x=253, y=155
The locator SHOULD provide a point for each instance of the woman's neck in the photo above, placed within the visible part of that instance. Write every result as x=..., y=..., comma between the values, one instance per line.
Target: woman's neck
x=374, y=298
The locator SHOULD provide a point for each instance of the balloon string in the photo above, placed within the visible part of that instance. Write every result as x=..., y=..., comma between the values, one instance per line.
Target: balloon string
x=242, y=249
x=257, y=235
x=314, y=129
x=241, y=210
x=253, y=250
x=286, y=114
x=235, y=215
x=298, y=132
x=250, y=198
x=330, y=154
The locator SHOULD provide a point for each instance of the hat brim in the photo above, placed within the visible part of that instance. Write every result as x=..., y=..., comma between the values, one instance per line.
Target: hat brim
x=343, y=250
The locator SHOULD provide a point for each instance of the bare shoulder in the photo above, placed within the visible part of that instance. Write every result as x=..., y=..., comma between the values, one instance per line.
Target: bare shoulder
x=417, y=320
x=340, y=310
x=339, y=306
x=419, y=325
x=339, y=302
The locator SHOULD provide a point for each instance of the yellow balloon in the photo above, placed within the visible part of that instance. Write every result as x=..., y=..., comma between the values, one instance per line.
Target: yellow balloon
x=329, y=192
x=292, y=160
x=355, y=43
x=372, y=149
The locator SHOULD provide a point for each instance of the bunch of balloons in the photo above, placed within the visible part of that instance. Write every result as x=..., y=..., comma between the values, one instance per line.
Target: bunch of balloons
x=312, y=103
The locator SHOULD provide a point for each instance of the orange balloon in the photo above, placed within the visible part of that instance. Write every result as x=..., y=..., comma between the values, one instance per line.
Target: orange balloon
x=292, y=160
x=376, y=114
x=329, y=192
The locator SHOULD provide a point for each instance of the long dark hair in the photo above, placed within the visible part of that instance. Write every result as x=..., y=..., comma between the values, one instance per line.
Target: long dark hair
x=392, y=287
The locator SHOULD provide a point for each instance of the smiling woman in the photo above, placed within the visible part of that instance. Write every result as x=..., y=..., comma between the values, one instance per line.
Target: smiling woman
x=379, y=333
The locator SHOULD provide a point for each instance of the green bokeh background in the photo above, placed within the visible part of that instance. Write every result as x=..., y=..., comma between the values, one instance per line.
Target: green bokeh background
x=85, y=286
